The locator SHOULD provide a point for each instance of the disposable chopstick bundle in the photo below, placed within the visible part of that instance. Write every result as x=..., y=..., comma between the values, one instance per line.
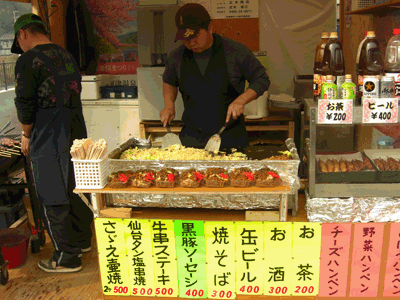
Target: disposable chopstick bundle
x=87, y=149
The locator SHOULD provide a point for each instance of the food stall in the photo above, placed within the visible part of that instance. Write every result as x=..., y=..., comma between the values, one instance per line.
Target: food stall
x=274, y=196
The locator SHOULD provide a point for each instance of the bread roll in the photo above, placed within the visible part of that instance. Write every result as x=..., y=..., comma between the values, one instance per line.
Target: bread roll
x=322, y=166
x=350, y=166
x=367, y=164
x=336, y=167
x=342, y=165
x=329, y=165
x=392, y=164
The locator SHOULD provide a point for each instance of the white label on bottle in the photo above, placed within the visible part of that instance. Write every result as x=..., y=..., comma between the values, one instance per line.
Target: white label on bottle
x=339, y=81
x=396, y=83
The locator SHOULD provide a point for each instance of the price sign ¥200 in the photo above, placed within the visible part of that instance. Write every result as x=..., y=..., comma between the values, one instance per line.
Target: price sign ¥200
x=337, y=111
x=380, y=110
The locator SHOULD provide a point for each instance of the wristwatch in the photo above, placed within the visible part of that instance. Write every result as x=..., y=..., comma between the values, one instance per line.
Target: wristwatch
x=23, y=134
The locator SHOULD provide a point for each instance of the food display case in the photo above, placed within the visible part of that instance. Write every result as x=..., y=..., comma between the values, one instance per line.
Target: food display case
x=366, y=192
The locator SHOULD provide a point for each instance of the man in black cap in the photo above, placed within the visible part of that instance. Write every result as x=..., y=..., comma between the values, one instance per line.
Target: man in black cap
x=210, y=72
x=48, y=87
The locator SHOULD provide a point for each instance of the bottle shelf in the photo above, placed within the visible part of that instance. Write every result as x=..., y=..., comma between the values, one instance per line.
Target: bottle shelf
x=376, y=9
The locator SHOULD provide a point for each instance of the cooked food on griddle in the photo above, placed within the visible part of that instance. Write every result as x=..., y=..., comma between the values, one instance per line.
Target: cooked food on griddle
x=178, y=152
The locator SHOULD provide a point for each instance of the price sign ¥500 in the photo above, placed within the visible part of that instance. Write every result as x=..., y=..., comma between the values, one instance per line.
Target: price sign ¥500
x=338, y=111
x=380, y=110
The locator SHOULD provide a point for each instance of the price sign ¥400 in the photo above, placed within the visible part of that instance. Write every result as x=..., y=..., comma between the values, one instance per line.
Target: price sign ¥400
x=380, y=110
x=338, y=111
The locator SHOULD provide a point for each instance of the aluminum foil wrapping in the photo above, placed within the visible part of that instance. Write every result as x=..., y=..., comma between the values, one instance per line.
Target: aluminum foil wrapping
x=362, y=210
x=239, y=201
x=287, y=169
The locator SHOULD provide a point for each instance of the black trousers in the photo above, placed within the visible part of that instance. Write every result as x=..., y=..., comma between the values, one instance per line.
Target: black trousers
x=69, y=225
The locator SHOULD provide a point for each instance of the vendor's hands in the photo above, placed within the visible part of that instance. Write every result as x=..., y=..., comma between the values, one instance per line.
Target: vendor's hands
x=167, y=115
x=235, y=109
x=25, y=146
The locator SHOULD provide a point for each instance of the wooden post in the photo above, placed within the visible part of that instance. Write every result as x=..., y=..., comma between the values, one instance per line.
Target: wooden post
x=57, y=21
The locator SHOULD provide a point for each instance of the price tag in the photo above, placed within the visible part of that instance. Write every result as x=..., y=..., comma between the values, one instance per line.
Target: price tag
x=380, y=110
x=338, y=111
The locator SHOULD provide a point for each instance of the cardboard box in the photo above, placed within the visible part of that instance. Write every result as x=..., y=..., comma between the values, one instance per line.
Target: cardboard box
x=116, y=212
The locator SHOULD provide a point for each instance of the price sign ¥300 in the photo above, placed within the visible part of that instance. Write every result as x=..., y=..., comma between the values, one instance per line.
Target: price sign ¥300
x=338, y=111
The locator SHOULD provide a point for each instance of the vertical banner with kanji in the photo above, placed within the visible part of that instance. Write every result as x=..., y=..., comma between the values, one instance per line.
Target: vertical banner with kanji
x=335, y=252
x=112, y=256
x=306, y=254
x=139, y=254
x=249, y=258
x=392, y=273
x=277, y=258
x=220, y=256
x=164, y=254
x=366, y=261
x=190, y=251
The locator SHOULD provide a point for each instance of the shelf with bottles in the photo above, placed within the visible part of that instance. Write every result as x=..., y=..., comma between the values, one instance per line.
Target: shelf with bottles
x=376, y=9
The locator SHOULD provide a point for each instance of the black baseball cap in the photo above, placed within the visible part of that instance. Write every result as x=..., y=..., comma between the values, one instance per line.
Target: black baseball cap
x=21, y=22
x=189, y=19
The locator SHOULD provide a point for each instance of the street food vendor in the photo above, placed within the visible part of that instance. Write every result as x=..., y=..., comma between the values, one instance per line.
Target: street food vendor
x=210, y=72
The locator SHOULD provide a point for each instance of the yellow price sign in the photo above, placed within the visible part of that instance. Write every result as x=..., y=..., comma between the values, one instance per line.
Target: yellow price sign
x=278, y=258
x=164, y=256
x=306, y=258
x=249, y=258
x=220, y=258
x=112, y=256
x=139, y=253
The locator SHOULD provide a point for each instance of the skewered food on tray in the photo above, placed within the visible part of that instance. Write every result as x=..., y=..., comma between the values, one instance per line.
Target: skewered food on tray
x=216, y=177
x=178, y=152
x=390, y=164
x=265, y=177
x=241, y=177
x=9, y=142
x=166, y=178
x=191, y=178
x=345, y=165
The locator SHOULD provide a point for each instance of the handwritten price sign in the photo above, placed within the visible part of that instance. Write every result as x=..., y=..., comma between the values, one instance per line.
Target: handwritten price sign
x=380, y=110
x=338, y=111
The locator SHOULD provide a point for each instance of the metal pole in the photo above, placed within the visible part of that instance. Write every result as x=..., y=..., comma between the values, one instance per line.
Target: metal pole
x=5, y=77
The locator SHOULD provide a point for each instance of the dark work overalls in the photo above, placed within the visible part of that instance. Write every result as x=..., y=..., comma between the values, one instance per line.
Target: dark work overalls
x=206, y=100
x=66, y=217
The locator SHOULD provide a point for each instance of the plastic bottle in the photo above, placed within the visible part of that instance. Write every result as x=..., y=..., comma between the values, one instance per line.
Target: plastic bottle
x=333, y=61
x=348, y=88
x=392, y=60
x=329, y=88
x=369, y=63
x=319, y=55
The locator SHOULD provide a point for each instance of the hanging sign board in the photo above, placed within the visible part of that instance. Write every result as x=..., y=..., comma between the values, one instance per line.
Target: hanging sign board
x=228, y=9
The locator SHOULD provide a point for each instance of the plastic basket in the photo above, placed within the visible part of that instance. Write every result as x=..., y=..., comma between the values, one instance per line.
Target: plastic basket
x=359, y=4
x=91, y=174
